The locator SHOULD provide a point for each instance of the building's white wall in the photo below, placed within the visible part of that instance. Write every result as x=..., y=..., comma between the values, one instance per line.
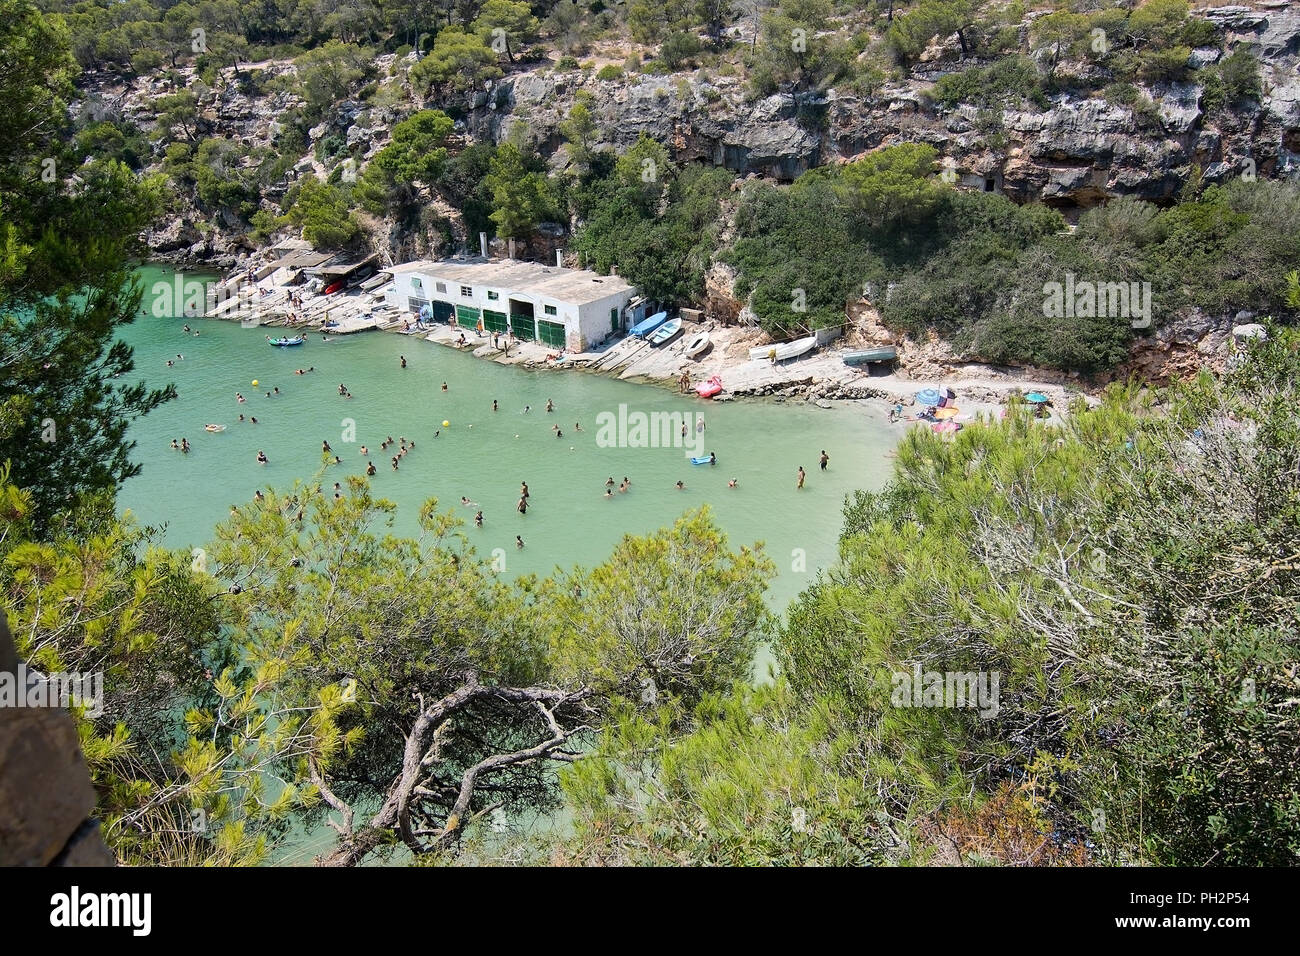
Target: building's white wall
x=585, y=325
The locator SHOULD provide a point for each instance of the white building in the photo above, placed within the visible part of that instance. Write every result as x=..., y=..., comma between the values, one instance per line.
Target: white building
x=572, y=309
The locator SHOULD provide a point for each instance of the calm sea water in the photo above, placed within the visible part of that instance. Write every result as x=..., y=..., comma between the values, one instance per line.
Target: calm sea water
x=482, y=455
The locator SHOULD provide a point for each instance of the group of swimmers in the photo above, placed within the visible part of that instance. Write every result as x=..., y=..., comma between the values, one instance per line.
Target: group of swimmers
x=184, y=445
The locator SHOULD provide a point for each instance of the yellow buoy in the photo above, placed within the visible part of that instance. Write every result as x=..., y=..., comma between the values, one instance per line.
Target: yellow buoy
x=255, y=383
x=445, y=423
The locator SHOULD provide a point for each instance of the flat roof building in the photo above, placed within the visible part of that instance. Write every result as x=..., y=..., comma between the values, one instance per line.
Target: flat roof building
x=563, y=308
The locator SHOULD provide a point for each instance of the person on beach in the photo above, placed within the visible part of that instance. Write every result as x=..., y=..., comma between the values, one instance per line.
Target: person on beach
x=261, y=457
x=462, y=340
x=801, y=477
x=825, y=459
x=370, y=469
x=519, y=542
x=403, y=358
x=478, y=520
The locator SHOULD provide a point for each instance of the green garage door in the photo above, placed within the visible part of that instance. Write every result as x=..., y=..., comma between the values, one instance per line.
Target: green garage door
x=467, y=317
x=442, y=311
x=523, y=327
x=550, y=333
x=494, y=321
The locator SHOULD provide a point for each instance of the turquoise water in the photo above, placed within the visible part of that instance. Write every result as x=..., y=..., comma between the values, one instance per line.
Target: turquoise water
x=482, y=455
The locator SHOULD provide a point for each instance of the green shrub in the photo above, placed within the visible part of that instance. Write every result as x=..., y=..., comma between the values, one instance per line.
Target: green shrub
x=610, y=71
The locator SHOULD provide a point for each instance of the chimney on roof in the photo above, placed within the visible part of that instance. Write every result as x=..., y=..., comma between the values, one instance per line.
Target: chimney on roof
x=559, y=259
x=482, y=244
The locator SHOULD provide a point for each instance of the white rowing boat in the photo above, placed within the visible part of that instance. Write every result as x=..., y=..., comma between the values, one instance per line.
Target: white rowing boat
x=784, y=350
x=697, y=344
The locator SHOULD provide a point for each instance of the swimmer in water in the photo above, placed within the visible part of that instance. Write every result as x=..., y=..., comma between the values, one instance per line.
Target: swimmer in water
x=610, y=480
x=522, y=507
x=240, y=398
x=467, y=502
x=713, y=459
x=241, y=418
x=577, y=427
x=550, y=405
x=527, y=409
x=824, y=459
x=343, y=389
x=731, y=483
x=622, y=489
x=175, y=446
x=558, y=433
x=253, y=419
x=627, y=481
x=338, y=460
x=403, y=358
x=609, y=492
x=170, y=363
x=186, y=327
x=325, y=446
x=300, y=372
x=185, y=445
x=801, y=477
x=519, y=542
x=394, y=463
x=494, y=404
x=370, y=469
x=523, y=489
x=268, y=394
x=276, y=390
x=261, y=457
x=364, y=452
x=444, y=386
x=478, y=519
x=258, y=496
x=681, y=486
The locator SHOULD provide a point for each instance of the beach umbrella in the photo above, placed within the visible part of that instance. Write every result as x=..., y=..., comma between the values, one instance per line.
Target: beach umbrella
x=1036, y=398
x=426, y=311
x=929, y=396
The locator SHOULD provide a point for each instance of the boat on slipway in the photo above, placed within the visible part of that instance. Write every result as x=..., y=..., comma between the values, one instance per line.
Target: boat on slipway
x=885, y=353
x=666, y=332
x=698, y=344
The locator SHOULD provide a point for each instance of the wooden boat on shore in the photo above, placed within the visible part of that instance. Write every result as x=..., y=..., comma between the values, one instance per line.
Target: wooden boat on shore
x=646, y=326
x=666, y=332
x=698, y=344
x=784, y=350
x=885, y=353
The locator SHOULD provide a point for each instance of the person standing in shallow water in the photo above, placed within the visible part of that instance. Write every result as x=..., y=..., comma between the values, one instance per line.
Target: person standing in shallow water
x=802, y=476
x=825, y=459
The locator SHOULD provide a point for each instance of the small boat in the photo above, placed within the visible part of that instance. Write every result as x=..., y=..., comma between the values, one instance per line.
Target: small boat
x=284, y=343
x=646, y=326
x=886, y=353
x=784, y=350
x=702, y=460
x=335, y=286
x=710, y=388
x=214, y=428
x=666, y=332
x=698, y=344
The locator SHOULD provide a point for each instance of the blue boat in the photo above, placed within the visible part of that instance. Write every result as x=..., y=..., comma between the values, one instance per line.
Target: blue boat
x=702, y=460
x=282, y=343
x=646, y=326
x=666, y=332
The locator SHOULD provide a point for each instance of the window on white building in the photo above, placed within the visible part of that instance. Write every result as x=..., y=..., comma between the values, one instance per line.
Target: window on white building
x=467, y=291
x=549, y=309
